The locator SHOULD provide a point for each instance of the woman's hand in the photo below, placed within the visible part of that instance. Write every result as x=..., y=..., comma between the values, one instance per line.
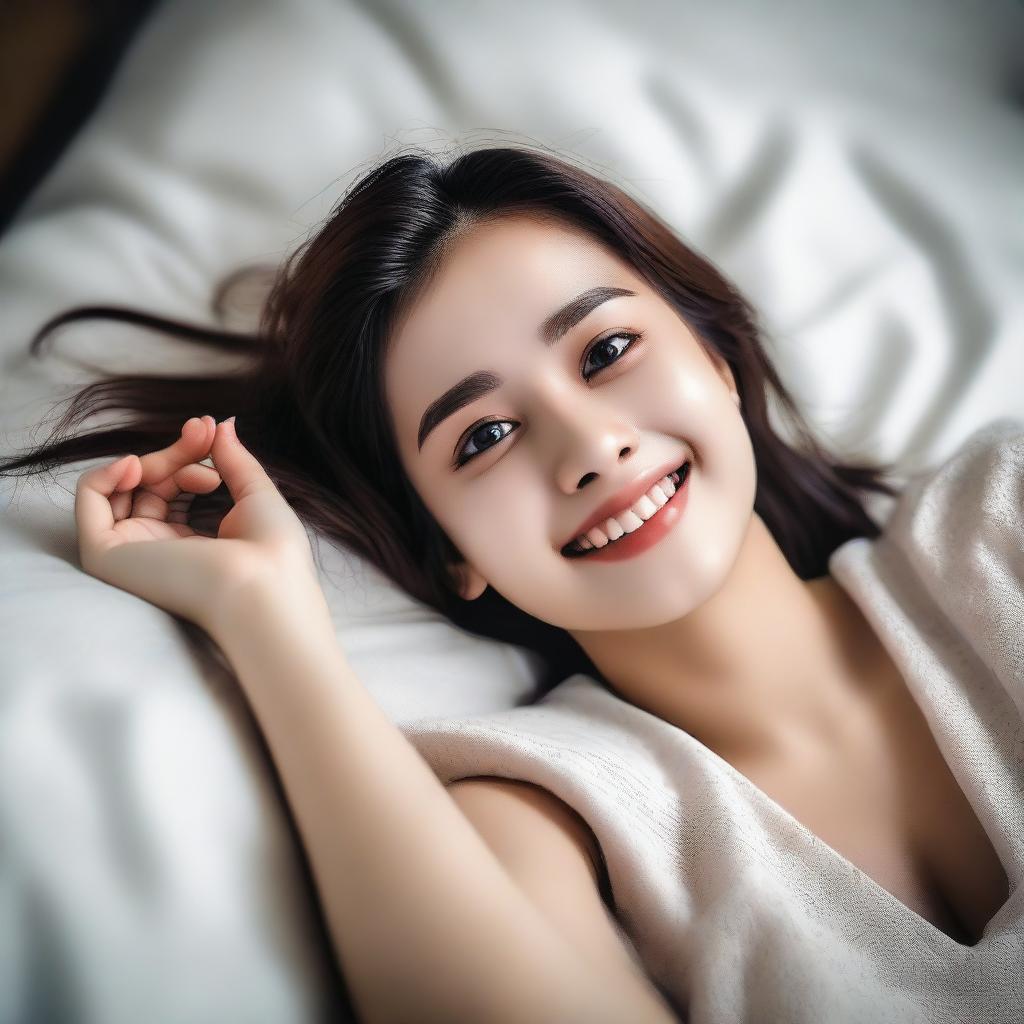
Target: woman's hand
x=133, y=534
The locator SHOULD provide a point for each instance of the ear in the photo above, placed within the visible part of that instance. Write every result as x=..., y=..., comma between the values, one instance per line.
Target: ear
x=469, y=583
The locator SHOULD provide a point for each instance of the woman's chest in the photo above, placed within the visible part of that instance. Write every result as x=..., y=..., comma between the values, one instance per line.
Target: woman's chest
x=890, y=805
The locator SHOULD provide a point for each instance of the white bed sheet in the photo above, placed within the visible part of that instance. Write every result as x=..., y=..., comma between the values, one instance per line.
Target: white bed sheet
x=856, y=169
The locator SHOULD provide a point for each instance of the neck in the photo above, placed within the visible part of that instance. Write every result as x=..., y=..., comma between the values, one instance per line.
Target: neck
x=766, y=666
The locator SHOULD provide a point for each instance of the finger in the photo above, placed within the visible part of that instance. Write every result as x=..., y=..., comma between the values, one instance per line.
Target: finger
x=238, y=467
x=94, y=515
x=193, y=445
x=146, y=505
x=177, y=515
x=189, y=482
x=197, y=479
x=121, y=505
x=159, y=467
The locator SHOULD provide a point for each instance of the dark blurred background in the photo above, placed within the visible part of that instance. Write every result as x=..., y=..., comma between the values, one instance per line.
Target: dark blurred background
x=56, y=59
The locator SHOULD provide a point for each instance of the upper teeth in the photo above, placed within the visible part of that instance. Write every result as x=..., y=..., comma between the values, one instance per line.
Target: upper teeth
x=632, y=518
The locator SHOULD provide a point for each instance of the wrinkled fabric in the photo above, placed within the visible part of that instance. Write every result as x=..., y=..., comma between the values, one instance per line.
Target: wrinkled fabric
x=739, y=912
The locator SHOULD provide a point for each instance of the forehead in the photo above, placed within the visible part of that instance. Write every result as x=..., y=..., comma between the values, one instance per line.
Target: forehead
x=517, y=266
x=494, y=288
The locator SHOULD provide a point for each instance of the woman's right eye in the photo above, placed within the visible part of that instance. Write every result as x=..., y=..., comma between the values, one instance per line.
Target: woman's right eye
x=492, y=431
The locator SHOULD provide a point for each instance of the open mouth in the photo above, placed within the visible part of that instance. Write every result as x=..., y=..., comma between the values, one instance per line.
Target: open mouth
x=573, y=550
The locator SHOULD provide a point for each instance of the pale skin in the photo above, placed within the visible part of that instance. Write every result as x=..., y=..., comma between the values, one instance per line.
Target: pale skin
x=663, y=627
x=133, y=529
x=511, y=928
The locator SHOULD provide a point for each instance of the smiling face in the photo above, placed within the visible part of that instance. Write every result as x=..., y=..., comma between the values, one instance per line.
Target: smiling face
x=583, y=411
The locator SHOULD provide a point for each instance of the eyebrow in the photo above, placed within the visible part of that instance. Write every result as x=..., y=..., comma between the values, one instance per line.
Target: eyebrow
x=478, y=384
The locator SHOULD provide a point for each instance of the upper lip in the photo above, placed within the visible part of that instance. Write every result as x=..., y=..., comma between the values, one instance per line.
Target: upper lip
x=625, y=498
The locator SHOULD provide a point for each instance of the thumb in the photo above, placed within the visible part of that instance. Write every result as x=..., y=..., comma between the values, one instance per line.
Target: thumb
x=237, y=466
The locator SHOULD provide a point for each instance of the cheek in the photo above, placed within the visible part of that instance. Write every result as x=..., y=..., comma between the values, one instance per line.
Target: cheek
x=725, y=457
x=504, y=520
x=681, y=397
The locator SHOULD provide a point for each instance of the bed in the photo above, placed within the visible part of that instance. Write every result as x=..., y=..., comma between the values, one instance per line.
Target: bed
x=858, y=170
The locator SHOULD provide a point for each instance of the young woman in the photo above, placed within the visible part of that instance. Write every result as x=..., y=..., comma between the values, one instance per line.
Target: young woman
x=503, y=376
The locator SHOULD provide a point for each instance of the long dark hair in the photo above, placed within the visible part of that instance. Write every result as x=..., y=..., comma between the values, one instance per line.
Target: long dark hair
x=311, y=405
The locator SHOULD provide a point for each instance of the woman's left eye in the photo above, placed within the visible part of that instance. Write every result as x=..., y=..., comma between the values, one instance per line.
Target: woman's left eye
x=464, y=454
x=599, y=346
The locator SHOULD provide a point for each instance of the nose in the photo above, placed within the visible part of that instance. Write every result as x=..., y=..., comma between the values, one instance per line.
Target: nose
x=588, y=438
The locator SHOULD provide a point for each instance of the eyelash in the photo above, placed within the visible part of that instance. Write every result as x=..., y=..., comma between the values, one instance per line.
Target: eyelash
x=634, y=337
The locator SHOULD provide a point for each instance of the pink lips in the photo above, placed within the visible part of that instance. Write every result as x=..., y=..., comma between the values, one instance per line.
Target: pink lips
x=653, y=530
x=625, y=498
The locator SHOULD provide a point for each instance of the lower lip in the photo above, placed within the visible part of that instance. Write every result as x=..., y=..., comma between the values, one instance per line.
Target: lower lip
x=650, y=533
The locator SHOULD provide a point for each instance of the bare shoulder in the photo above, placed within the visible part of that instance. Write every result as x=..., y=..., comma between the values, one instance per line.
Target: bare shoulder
x=516, y=816
x=551, y=852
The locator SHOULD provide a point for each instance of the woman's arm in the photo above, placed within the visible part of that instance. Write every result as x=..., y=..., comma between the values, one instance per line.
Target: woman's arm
x=426, y=923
